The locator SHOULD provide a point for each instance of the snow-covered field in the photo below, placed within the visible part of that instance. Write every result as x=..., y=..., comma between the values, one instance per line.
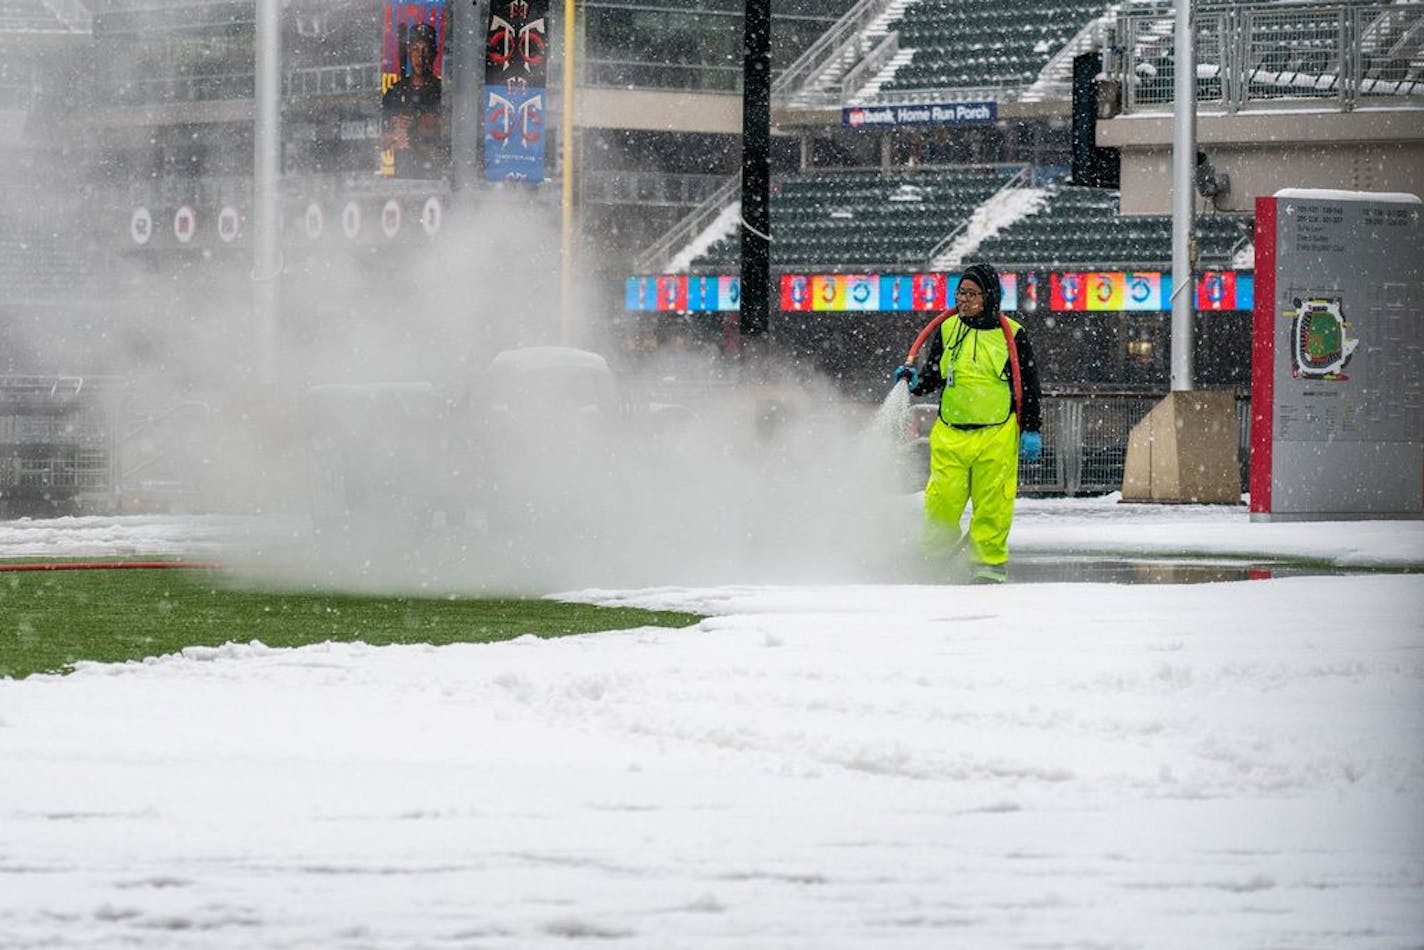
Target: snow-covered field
x=1033, y=765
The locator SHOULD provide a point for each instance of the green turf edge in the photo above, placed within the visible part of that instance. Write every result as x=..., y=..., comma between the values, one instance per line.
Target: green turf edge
x=52, y=620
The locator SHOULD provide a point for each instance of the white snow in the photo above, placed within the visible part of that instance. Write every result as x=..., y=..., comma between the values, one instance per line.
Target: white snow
x=720, y=227
x=991, y=217
x=849, y=766
x=1338, y=194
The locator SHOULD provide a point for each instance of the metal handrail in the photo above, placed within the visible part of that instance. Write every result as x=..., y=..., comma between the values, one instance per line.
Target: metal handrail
x=1340, y=80
x=615, y=186
x=74, y=15
x=787, y=83
x=149, y=424
x=874, y=61
x=661, y=251
x=20, y=387
x=1056, y=74
x=815, y=57
x=316, y=81
x=1013, y=183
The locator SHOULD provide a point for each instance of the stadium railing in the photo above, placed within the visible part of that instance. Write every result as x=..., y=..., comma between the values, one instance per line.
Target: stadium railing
x=648, y=187
x=44, y=16
x=816, y=77
x=56, y=446
x=835, y=220
x=1259, y=57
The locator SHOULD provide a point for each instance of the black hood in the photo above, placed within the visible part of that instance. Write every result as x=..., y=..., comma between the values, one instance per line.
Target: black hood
x=988, y=280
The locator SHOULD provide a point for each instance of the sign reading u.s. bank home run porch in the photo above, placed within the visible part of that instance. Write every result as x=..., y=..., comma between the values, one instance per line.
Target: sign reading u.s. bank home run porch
x=938, y=113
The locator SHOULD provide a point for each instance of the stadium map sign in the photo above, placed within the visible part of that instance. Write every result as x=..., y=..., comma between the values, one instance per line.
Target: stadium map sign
x=1337, y=387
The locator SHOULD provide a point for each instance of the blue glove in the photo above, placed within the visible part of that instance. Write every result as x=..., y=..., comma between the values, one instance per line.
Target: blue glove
x=1030, y=446
x=909, y=374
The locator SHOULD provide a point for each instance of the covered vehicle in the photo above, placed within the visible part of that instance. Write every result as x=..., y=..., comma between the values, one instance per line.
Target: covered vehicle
x=404, y=454
x=539, y=440
x=376, y=452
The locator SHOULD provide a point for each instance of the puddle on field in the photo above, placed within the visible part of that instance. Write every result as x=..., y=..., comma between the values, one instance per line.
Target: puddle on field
x=1088, y=569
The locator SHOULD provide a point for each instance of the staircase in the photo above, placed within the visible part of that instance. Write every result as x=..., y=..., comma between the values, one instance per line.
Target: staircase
x=818, y=77
x=1055, y=80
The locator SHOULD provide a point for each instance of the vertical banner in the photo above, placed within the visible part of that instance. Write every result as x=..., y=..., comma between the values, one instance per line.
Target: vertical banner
x=672, y=292
x=515, y=97
x=729, y=292
x=1142, y=291
x=640, y=293
x=897, y=292
x=415, y=137
x=930, y=292
x=1009, y=292
x=795, y=292
x=1245, y=292
x=701, y=293
x=1104, y=290
x=1066, y=292
x=862, y=292
x=828, y=292
x=1029, y=303
x=1216, y=290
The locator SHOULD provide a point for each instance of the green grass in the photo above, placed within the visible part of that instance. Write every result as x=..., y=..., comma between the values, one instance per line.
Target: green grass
x=50, y=620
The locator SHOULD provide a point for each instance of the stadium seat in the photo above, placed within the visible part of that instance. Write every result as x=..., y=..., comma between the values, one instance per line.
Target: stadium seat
x=1080, y=229
x=849, y=220
x=974, y=44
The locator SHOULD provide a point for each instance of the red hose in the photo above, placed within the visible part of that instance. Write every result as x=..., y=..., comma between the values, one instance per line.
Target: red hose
x=925, y=333
x=104, y=565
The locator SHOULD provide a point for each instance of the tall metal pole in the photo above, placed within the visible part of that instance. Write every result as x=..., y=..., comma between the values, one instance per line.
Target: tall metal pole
x=465, y=72
x=566, y=143
x=1184, y=155
x=756, y=173
x=266, y=180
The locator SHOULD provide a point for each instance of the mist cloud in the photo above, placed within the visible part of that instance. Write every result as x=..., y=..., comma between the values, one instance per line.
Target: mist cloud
x=681, y=476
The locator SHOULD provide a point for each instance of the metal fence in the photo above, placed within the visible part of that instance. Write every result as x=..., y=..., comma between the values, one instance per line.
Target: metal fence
x=1254, y=57
x=648, y=188
x=311, y=82
x=63, y=451
x=82, y=445
x=1085, y=440
x=56, y=446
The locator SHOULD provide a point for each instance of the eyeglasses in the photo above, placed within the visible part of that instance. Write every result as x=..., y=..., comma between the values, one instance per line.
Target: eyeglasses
x=966, y=294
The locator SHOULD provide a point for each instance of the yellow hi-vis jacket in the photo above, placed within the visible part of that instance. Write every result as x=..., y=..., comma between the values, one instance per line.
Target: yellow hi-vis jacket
x=978, y=388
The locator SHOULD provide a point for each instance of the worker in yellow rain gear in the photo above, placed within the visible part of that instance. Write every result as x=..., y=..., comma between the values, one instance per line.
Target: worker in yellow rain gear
x=989, y=418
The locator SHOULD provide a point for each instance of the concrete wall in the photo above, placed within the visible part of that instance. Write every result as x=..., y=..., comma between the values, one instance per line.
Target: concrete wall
x=657, y=110
x=1264, y=151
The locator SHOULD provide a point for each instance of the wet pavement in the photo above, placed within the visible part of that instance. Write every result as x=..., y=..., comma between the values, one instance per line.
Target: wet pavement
x=1029, y=568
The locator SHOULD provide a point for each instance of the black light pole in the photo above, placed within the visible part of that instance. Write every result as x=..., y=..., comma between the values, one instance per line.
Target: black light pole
x=756, y=173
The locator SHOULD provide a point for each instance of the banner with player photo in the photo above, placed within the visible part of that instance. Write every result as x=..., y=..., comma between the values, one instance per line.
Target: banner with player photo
x=515, y=99
x=415, y=134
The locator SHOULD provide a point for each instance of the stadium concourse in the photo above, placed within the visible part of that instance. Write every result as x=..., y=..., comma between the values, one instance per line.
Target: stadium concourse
x=812, y=766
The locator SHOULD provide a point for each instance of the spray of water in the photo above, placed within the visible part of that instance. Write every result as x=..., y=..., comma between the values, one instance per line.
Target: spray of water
x=395, y=455
x=737, y=485
x=891, y=422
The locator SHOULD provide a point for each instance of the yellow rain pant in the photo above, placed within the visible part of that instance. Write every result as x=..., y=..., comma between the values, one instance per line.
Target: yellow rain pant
x=972, y=465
